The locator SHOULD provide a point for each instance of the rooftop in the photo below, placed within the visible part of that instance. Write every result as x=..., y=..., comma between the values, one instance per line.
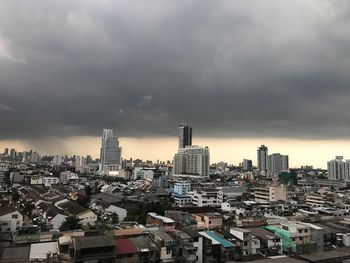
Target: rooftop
x=40, y=250
x=125, y=246
x=93, y=242
x=163, y=218
x=15, y=253
x=216, y=239
x=264, y=234
x=4, y=210
x=72, y=207
x=336, y=255
x=143, y=243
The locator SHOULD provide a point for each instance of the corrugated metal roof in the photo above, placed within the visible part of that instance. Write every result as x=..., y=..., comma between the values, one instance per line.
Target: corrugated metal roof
x=125, y=246
x=40, y=250
x=216, y=239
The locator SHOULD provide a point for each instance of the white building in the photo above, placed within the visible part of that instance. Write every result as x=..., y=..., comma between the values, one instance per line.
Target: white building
x=110, y=155
x=36, y=180
x=338, y=170
x=49, y=180
x=181, y=200
x=182, y=187
x=315, y=200
x=193, y=160
x=66, y=177
x=249, y=245
x=207, y=197
x=143, y=174
x=10, y=219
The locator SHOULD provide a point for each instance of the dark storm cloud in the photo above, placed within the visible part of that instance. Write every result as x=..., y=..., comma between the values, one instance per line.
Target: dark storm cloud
x=230, y=68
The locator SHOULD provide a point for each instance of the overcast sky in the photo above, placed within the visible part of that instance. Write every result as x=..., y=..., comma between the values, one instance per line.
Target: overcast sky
x=232, y=69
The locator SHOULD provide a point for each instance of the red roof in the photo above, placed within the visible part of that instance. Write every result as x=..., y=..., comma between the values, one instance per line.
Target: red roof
x=125, y=246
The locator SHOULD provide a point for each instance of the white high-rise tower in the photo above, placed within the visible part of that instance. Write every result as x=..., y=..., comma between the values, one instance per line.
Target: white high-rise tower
x=110, y=156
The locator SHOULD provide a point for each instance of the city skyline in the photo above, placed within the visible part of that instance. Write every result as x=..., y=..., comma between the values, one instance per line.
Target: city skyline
x=228, y=150
x=175, y=131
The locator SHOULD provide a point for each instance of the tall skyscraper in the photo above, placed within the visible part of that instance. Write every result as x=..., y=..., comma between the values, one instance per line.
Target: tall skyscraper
x=6, y=152
x=185, y=135
x=262, y=159
x=110, y=155
x=13, y=154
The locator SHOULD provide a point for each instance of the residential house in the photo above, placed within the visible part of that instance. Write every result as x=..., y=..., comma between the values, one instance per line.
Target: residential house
x=10, y=219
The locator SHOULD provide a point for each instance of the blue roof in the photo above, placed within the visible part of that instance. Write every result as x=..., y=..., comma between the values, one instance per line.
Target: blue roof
x=224, y=242
x=181, y=196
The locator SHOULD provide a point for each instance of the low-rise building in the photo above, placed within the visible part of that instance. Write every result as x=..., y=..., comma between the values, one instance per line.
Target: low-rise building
x=270, y=244
x=148, y=251
x=44, y=251
x=271, y=194
x=162, y=221
x=222, y=250
x=207, y=197
x=93, y=249
x=126, y=251
x=249, y=245
x=209, y=221
x=296, y=237
x=49, y=180
x=315, y=200
x=10, y=219
x=72, y=208
x=143, y=174
x=182, y=188
x=66, y=177
x=165, y=244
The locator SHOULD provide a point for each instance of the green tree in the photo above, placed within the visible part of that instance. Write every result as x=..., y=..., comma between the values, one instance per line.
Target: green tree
x=84, y=200
x=15, y=195
x=114, y=218
x=71, y=223
x=28, y=208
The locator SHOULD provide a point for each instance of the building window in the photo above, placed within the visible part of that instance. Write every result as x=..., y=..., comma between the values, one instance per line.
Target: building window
x=15, y=216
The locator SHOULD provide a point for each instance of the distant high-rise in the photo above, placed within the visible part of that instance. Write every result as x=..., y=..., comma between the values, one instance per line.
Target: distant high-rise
x=6, y=152
x=185, y=135
x=192, y=160
x=57, y=160
x=276, y=163
x=247, y=165
x=338, y=169
x=110, y=155
x=262, y=159
x=13, y=154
